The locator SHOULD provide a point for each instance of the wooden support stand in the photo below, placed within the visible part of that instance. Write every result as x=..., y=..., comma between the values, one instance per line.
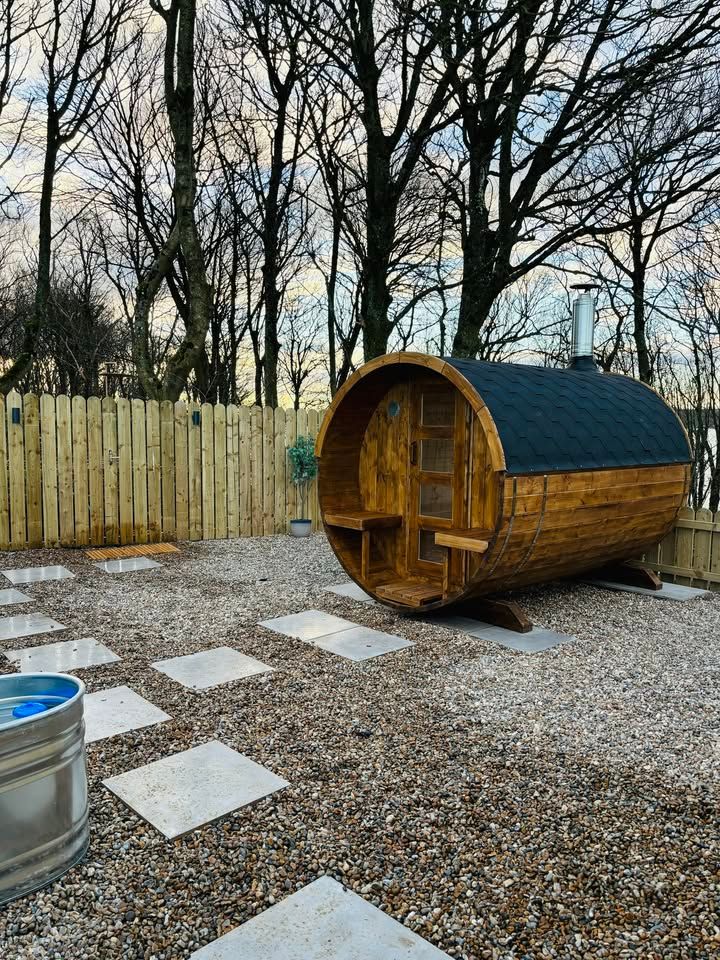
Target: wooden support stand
x=500, y=613
x=627, y=574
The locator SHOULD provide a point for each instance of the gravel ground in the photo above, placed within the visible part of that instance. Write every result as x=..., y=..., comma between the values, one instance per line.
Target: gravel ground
x=502, y=805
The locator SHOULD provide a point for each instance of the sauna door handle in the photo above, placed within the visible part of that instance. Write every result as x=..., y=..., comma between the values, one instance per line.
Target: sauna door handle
x=413, y=453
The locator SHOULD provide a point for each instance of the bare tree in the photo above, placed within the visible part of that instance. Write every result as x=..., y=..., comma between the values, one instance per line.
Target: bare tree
x=79, y=40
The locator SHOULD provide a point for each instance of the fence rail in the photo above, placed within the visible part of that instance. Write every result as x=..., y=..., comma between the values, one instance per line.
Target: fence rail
x=77, y=472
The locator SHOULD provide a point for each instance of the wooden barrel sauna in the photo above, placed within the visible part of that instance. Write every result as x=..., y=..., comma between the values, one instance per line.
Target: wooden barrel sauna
x=441, y=480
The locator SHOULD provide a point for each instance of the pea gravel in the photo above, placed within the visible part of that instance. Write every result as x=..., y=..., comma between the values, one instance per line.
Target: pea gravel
x=502, y=805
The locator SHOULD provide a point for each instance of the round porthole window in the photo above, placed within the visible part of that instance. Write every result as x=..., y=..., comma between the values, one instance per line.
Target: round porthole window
x=393, y=408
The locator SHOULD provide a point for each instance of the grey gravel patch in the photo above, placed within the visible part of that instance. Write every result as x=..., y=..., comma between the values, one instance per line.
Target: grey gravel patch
x=189, y=789
x=37, y=574
x=118, y=710
x=352, y=591
x=668, y=591
x=323, y=921
x=62, y=656
x=10, y=596
x=128, y=565
x=308, y=625
x=360, y=643
x=209, y=668
x=27, y=625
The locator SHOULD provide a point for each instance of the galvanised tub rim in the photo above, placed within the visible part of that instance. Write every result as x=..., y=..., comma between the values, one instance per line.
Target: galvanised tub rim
x=14, y=725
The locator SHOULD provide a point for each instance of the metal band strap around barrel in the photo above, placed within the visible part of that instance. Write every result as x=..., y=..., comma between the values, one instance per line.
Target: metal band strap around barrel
x=507, y=534
x=538, y=528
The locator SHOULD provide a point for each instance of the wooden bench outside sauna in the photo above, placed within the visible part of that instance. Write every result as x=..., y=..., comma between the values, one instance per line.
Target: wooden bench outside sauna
x=443, y=481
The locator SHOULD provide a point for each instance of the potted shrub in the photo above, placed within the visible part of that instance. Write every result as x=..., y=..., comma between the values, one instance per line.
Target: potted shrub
x=304, y=470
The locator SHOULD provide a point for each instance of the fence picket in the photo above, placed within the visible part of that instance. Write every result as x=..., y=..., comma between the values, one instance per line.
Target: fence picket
x=208, y=471
x=139, y=472
x=220, y=468
x=268, y=494
x=80, y=471
x=16, y=470
x=48, y=463
x=195, y=512
x=244, y=472
x=167, y=470
x=280, y=471
x=65, y=471
x=231, y=445
x=95, y=469
x=256, y=474
x=154, y=479
x=291, y=506
x=182, y=516
x=33, y=470
x=125, y=476
x=111, y=459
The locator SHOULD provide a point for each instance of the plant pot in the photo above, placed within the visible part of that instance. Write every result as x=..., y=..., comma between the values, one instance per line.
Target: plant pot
x=300, y=528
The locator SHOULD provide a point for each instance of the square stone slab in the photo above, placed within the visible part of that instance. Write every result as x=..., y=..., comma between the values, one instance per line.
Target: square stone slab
x=211, y=667
x=26, y=625
x=117, y=710
x=62, y=656
x=536, y=640
x=361, y=643
x=307, y=625
x=36, y=574
x=351, y=590
x=127, y=566
x=189, y=789
x=669, y=591
x=323, y=921
x=8, y=597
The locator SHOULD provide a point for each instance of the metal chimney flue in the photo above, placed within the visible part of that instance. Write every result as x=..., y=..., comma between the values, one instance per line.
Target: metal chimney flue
x=583, y=328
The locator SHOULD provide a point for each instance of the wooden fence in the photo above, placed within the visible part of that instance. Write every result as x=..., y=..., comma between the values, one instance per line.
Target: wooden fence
x=103, y=471
x=690, y=554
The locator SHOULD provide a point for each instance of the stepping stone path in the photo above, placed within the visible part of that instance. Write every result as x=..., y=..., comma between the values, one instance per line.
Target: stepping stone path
x=9, y=597
x=323, y=921
x=342, y=637
x=669, y=591
x=190, y=789
x=27, y=625
x=352, y=591
x=211, y=667
x=117, y=710
x=37, y=574
x=127, y=566
x=62, y=656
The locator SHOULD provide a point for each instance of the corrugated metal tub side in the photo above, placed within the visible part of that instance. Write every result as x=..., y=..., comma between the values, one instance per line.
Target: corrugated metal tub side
x=43, y=781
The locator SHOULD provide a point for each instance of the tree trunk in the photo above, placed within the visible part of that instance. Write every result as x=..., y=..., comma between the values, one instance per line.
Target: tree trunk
x=38, y=317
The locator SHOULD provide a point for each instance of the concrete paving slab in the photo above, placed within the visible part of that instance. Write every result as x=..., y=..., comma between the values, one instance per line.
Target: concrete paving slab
x=10, y=596
x=190, y=789
x=323, y=921
x=37, y=574
x=117, y=710
x=361, y=643
x=127, y=566
x=669, y=591
x=211, y=667
x=351, y=590
x=307, y=625
x=27, y=625
x=533, y=642
x=62, y=657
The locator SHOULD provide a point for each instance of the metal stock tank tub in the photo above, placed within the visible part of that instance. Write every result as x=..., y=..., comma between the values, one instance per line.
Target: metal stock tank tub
x=43, y=781
x=442, y=480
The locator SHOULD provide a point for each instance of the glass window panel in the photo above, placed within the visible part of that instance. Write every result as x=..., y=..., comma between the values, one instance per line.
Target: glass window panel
x=436, y=500
x=428, y=549
x=437, y=456
x=437, y=409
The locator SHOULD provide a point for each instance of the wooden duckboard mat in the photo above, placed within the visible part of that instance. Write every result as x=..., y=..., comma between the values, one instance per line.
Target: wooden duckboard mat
x=119, y=553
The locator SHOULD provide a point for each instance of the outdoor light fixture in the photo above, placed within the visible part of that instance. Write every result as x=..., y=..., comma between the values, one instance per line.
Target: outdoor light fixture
x=196, y=418
x=16, y=414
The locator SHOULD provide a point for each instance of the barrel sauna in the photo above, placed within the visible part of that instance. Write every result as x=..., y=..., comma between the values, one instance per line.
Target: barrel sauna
x=441, y=480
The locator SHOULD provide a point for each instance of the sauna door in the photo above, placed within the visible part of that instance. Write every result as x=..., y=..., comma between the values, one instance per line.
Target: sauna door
x=436, y=472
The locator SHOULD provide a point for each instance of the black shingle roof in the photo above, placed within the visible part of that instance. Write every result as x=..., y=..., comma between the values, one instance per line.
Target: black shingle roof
x=557, y=419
